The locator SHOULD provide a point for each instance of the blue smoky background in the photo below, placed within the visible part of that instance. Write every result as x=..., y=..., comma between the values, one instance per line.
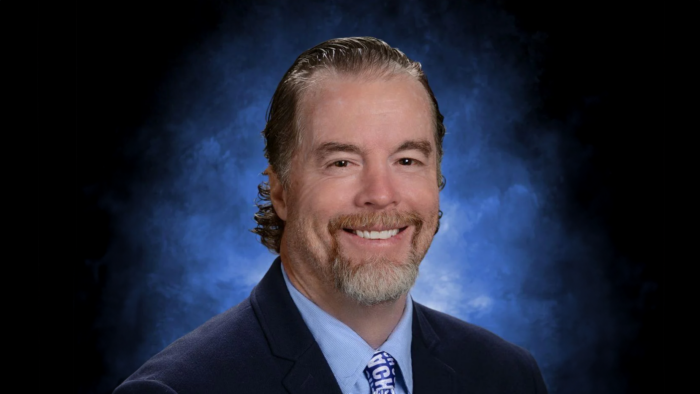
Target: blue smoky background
x=550, y=230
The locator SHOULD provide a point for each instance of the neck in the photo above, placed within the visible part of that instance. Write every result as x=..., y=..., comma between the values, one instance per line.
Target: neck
x=373, y=323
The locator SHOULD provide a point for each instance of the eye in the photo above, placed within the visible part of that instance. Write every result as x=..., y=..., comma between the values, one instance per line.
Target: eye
x=407, y=162
x=340, y=163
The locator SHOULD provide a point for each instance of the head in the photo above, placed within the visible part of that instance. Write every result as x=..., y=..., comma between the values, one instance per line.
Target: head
x=354, y=142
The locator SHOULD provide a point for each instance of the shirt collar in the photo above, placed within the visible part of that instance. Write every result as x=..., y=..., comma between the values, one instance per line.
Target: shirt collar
x=346, y=352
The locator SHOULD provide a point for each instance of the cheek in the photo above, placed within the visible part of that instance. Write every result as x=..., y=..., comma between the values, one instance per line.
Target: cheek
x=315, y=207
x=424, y=197
x=325, y=197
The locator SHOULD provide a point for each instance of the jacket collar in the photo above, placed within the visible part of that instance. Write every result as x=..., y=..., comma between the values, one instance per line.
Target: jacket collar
x=289, y=337
x=430, y=374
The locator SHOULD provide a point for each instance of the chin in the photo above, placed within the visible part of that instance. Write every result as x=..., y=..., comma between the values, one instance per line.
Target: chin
x=374, y=281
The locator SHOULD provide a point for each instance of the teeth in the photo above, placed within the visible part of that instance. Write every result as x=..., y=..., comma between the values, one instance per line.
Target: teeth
x=377, y=234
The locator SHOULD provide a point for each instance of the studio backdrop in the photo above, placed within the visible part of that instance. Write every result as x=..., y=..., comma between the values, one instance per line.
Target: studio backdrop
x=540, y=242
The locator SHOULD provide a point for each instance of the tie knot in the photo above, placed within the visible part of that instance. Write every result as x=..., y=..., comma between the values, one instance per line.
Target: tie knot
x=381, y=373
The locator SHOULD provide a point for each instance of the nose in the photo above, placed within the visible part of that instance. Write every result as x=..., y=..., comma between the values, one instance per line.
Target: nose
x=378, y=189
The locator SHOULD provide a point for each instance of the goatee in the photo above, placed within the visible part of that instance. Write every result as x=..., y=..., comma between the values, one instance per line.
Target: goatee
x=376, y=280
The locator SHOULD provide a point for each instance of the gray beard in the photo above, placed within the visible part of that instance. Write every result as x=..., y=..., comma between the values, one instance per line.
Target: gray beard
x=376, y=281
x=368, y=282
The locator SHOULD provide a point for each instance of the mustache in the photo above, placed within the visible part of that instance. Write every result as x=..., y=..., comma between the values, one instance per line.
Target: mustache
x=383, y=219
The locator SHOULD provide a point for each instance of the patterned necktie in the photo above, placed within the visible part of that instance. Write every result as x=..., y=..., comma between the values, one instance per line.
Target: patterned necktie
x=381, y=373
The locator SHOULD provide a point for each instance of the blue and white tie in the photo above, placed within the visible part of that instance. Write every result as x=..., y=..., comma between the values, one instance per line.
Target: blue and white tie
x=381, y=373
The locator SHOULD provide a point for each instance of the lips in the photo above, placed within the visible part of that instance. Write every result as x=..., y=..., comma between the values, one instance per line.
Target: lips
x=375, y=234
x=374, y=222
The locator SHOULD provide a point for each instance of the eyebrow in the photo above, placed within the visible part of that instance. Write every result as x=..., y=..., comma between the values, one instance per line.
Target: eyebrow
x=420, y=145
x=328, y=148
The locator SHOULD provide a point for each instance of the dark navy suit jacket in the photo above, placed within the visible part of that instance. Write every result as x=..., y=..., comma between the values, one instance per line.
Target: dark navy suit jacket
x=263, y=346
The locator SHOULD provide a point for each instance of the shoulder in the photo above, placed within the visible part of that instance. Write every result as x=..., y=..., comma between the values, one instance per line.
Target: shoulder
x=476, y=352
x=461, y=334
x=216, y=356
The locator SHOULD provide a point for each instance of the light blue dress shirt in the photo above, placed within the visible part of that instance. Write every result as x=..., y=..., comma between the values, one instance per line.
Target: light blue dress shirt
x=347, y=353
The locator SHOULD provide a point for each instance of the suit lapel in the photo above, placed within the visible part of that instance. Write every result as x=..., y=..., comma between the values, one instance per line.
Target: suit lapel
x=289, y=337
x=430, y=374
x=311, y=374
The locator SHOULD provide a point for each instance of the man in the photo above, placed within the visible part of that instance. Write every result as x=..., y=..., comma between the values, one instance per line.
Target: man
x=354, y=142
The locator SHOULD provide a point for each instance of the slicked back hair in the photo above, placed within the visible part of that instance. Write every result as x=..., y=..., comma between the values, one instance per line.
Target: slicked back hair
x=364, y=57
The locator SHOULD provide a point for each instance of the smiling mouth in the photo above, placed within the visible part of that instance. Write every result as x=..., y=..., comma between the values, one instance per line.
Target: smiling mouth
x=369, y=234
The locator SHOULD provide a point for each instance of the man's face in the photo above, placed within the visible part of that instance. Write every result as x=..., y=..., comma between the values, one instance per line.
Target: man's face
x=362, y=205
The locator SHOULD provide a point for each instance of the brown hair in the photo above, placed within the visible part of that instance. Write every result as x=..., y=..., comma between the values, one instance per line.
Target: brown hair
x=357, y=56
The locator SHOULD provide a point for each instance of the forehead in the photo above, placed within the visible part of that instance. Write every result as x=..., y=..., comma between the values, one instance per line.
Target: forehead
x=357, y=110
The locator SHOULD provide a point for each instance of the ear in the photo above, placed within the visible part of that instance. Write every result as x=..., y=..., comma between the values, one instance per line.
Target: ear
x=278, y=196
